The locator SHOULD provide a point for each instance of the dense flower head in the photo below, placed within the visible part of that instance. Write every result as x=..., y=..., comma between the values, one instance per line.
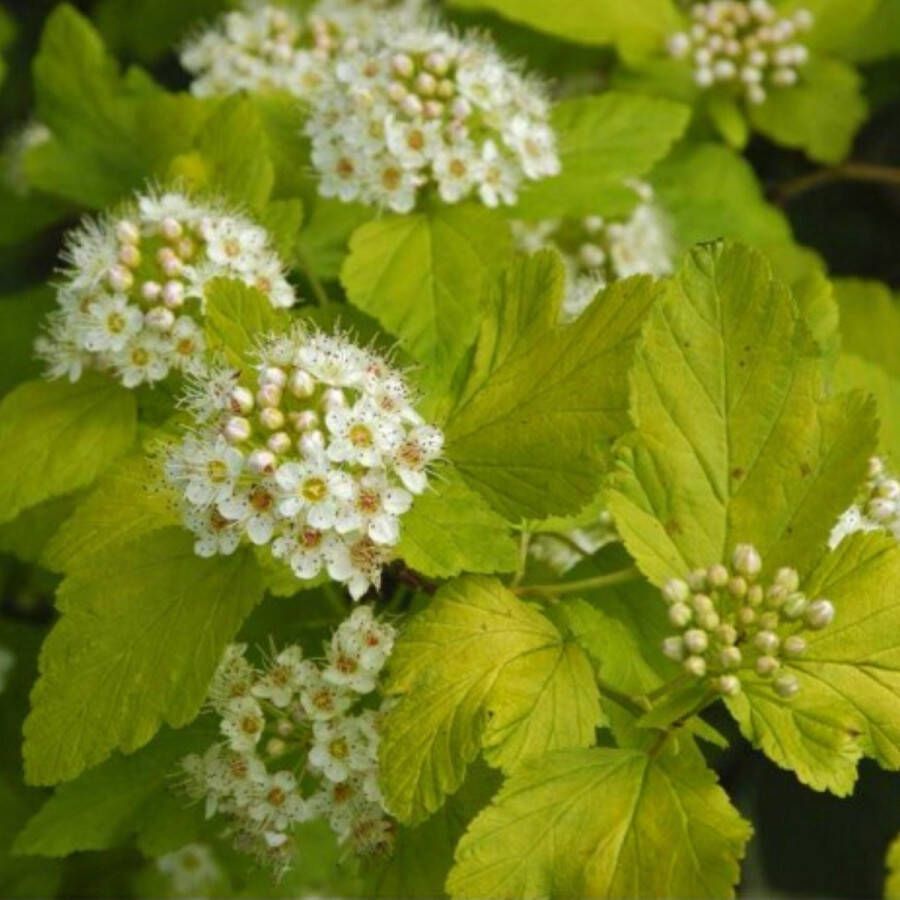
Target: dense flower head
x=298, y=743
x=427, y=108
x=876, y=509
x=597, y=250
x=746, y=46
x=132, y=296
x=317, y=452
x=729, y=622
x=271, y=47
x=192, y=870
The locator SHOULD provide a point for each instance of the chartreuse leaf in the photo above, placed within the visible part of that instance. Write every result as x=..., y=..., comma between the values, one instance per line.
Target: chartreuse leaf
x=282, y=220
x=113, y=801
x=849, y=698
x=451, y=529
x=478, y=669
x=528, y=437
x=603, y=140
x=851, y=373
x=892, y=885
x=423, y=276
x=110, y=134
x=128, y=502
x=877, y=37
x=635, y=27
x=28, y=534
x=834, y=21
x=143, y=627
x=734, y=443
x=21, y=315
x=237, y=315
x=819, y=115
x=604, y=823
x=870, y=321
x=231, y=156
x=57, y=437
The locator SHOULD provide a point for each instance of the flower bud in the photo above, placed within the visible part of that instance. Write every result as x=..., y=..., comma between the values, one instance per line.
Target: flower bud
x=795, y=605
x=273, y=375
x=241, y=400
x=726, y=634
x=237, y=429
x=334, y=398
x=269, y=395
x=702, y=603
x=755, y=595
x=159, y=318
x=130, y=256
x=120, y=278
x=301, y=384
x=304, y=420
x=127, y=232
x=786, y=685
x=820, y=614
x=890, y=489
x=680, y=614
x=767, y=665
x=402, y=65
x=171, y=228
x=717, y=575
x=776, y=595
x=708, y=620
x=312, y=443
x=262, y=462
x=794, y=645
x=737, y=586
x=766, y=642
x=280, y=442
x=876, y=467
x=695, y=665
x=768, y=621
x=675, y=591
x=697, y=580
x=151, y=290
x=746, y=615
x=746, y=560
x=696, y=640
x=729, y=685
x=173, y=294
x=284, y=727
x=275, y=747
x=271, y=418
x=673, y=648
x=730, y=658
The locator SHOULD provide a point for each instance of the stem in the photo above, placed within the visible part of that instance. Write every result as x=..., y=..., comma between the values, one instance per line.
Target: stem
x=524, y=541
x=705, y=701
x=664, y=689
x=623, y=700
x=848, y=171
x=321, y=297
x=571, y=587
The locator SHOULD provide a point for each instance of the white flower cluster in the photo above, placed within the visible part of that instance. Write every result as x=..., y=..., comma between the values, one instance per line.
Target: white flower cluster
x=268, y=47
x=297, y=745
x=562, y=552
x=133, y=293
x=317, y=453
x=747, y=46
x=7, y=661
x=16, y=148
x=425, y=108
x=878, y=508
x=728, y=621
x=192, y=870
x=597, y=251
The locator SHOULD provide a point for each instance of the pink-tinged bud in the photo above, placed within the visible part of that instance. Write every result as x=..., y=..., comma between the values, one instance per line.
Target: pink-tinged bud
x=746, y=560
x=171, y=228
x=237, y=430
x=173, y=294
x=262, y=462
x=280, y=442
x=272, y=418
x=241, y=400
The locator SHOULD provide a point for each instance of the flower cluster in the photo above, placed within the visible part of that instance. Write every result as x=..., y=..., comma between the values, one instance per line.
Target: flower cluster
x=318, y=453
x=562, y=552
x=7, y=661
x=729, y=621
x=297, y=745
x=877, y=509
x=425, y=108
x=747, y=46
x=133, y=293
x=192, y=870
x=267, y=47
x=597, y=251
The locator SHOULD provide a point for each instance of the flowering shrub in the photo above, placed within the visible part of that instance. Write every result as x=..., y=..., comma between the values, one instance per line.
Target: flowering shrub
x=433, y=465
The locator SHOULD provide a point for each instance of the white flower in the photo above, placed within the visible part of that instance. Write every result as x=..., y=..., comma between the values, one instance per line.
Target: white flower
x=322, y=700
x=208, y=470
x=419, y=107
x=278, y=804
x=746, y=46
x=313, y=487
x=243, y=724
x=411, y=458
x=375, y=508
x=233, y=679
x=339, y=748
x=215, y=534
x=283, y=679
x=877, y=508
x=357, y=563
x=133, y=292
x=253, y=508
x=192, y=869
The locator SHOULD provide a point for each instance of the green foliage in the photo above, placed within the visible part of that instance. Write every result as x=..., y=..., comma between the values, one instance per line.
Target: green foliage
x=58, y=437
x=892, y=886
x=604, y=823
x=144, y=624
x=529, y=438
x=603, y=140
x=20, y=318
x=479, y=669
x=710, y=467
x=423, y=277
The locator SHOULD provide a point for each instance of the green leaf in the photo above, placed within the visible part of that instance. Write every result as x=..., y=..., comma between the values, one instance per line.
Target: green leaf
x=109, y=804
x=20, y=318
x=603, y=140
x=326, y=234
x=849, y=699
x=529, y=437
x=870, y=321
x=478, y=669
x=143, y=627
x=130, y=501
x=877, y=37
x=735, y=442
x=27, y=535
x=237, y=316
x=728, y=119
x=109, y=134
x=423, y=276
x=892, y=885
x=604, y=823
x=234, y=155
x=835, y=22
x=57, y=437
x=450, y=529
x=853, y=373
x=282, y=220
x=820, y=115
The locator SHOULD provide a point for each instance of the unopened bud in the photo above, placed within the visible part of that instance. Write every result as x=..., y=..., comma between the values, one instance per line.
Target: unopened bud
x=755, y=595
x=766, y=642
x=173, y=294
x=301, y=384
x=402, y=65
x=120, y=278
x=746, y=615
x=729, y=685
x=786, y=685
x=730, y=658
x=697, y=580
x=273, y=375
x=768, y=621
x=237, y=429
x=261, y=461
x=127, y=232
x=272, y=418
x=159, y=318
x=702, y=603
x=680, y=614
x=708, y=620
x=130, y=256
x=737, y=586
x=794, y=645
x=334, y=398
x=746, y=560
x=285, y=727
x=775, y=596
x=280, y=442
x=695, y=665
x=675, y=591
x=820, y=614
x=726, y=634
x=767, y=665
x=717, y=575
x=150, y=290
x=795, y=605
x=276, y=747
x=312, y=443
x=171, y=228
x=241, y=400
x=673, y=647
x=269, y=395
x=305, y=420
x=696, y=640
